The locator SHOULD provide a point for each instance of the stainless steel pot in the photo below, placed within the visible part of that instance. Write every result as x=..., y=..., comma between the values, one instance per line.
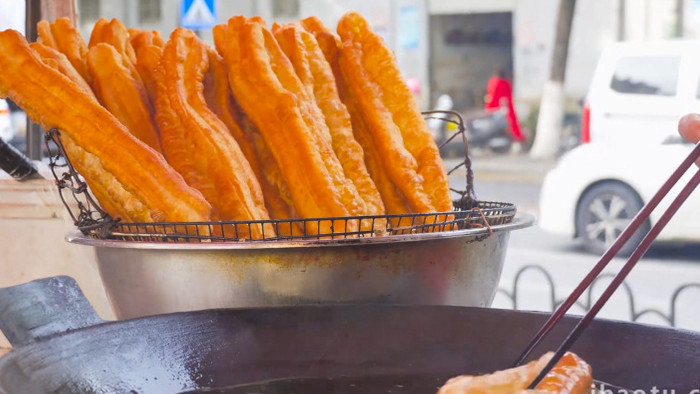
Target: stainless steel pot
x=447, y=268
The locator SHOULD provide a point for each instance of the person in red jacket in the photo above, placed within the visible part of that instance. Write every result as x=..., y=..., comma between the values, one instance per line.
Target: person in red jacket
x=499, y=94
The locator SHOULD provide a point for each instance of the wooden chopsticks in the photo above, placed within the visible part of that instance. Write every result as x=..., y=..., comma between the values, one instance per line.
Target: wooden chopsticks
x=634, y=225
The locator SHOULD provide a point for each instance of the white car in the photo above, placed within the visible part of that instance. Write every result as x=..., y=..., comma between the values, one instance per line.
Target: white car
x=6, y=131
x=640, y=90
x=596, y=189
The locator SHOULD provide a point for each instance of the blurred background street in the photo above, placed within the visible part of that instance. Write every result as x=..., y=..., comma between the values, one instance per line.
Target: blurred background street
x=604, y=81
x=651, y=286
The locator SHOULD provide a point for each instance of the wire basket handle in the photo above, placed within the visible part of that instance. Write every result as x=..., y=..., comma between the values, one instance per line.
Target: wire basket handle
x=467, y=198
x=82, y=207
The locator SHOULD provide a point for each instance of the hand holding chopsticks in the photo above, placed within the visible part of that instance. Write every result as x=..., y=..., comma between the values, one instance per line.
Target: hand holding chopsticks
x=689, y=128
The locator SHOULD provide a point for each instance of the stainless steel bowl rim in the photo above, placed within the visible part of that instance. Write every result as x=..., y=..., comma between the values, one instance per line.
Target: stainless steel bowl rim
x=521, y=220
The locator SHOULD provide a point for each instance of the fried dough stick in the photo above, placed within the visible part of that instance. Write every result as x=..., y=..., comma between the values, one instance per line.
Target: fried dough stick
x=65, y=38
x=316, y=75
x=130, y=173
x=219, y=98
x=571, y=375
x=115, y=34
x=264, y=84
x=150, y=37
x=219, y=34
x=148, y=48
x=277, y=196
x=198, y=144
x=122, y=94
x=388, y=103
x=329, y=43
x=79, y=156
x=313, y=117
x=60, y=62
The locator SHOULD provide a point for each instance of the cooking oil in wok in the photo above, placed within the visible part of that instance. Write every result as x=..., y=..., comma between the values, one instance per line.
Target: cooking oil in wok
x=383, y=384
x=393, y=384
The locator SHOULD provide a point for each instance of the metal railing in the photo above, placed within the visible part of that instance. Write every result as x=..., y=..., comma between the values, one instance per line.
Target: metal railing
x=669, y=316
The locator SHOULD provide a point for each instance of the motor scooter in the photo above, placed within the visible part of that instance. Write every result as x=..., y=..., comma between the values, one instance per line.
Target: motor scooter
x=485, y=129
x=489, y=130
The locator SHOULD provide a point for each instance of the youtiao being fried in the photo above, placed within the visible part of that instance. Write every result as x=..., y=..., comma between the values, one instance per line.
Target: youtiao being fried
x=315, y=73
x=125, y=96
x=265, y=85
x=571, y=375
x=197, y=143
x=132, y=175
x=411, y=157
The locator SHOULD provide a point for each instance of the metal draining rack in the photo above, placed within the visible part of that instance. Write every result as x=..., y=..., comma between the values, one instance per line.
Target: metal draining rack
x=92, y=220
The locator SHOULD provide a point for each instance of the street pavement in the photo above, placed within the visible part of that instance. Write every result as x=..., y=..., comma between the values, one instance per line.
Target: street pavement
x=536, y=258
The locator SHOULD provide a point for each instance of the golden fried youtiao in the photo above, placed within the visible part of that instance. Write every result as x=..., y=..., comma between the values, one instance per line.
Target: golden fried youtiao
x=219, y=98
x=315, y=73
x=265, y=85
x=122, y=93
x=65, y=38
x=148, y=48
x=198, y=144
x=123, y=169
x=329, y=43
x=411, y=156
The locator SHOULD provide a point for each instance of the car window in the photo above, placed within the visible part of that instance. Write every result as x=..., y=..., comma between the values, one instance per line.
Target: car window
x=652, y=75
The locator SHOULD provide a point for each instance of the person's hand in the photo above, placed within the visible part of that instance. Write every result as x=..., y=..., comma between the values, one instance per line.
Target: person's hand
x=689, y=129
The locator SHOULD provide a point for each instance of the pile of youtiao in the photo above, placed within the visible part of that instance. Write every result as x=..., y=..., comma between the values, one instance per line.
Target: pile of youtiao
x=280, y=122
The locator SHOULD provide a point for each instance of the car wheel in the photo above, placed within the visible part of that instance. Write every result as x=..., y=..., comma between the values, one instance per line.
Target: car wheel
x=604, y=212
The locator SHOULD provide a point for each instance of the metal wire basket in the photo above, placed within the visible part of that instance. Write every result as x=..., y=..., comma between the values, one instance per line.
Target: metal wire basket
x=92, y=220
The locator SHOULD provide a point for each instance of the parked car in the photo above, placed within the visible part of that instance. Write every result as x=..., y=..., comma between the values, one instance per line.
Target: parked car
x=6, y=130
x=596, y=189
x=640, y=90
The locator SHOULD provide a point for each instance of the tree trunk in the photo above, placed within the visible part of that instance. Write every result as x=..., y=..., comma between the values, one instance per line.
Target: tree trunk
x=680, y=18
x=621, y=19
x=552, y=104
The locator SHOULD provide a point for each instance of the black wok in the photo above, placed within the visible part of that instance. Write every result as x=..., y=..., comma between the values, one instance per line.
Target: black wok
x=60, y=345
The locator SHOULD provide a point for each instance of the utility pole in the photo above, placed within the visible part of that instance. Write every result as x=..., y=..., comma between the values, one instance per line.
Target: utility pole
x=680, y=18
x=552, y=104
x=621, y=19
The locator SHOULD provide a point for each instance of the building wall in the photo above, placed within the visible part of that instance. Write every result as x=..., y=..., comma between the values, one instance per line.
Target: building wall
x=534, y=29
x=465, y=50
x=402, y=23
x=596, y=24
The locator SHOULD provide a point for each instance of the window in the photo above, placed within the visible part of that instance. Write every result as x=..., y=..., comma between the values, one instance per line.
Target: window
x=89, y=11
x=149, y=11
x=285, y=8
x=652, y=75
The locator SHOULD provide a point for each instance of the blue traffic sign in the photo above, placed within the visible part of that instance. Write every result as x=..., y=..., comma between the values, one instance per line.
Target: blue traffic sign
x=198, y=14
